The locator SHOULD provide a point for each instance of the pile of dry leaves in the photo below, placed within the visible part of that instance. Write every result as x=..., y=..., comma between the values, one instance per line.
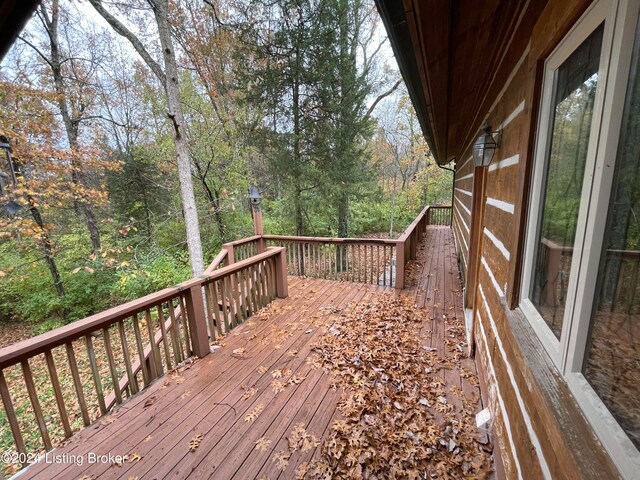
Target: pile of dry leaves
x=398, y=416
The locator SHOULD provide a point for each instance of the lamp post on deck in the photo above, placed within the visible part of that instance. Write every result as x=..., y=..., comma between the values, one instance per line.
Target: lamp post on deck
x=255, y=199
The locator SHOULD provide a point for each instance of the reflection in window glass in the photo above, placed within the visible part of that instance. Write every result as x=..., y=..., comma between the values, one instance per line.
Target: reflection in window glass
x=612, y=364
x=575, y=91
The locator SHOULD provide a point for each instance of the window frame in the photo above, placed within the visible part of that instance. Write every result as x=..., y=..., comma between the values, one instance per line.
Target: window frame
x=620, y=19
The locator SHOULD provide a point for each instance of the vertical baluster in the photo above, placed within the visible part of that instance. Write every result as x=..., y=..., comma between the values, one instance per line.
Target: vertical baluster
x=62, y=410
x=268, y=283
x=216, y=306
x=163, y=332
x=384, y=265
x=272, y=262
x=364, y=246
x=263, y=283
x=228, y=303
x=314, y=256
x=259, y=296
x=146, y=374
x=247, y=288
x=235, y=299
x=185, y=325
x=359, y=263
x=133, y=384
x=95, y=373
x=175, y=333
x=254, y=288
x=112, y=365
x=77, y=383
x=240, y=296
x=323, y=250
x=35, y=403
x=244, y=302
x=209, y=308
x=154, y=360
x=223, y=301
x=393, y=253
x=11, y=416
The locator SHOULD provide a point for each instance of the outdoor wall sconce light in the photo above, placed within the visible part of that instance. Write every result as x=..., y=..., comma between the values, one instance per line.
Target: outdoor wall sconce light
x=485, y=146
x=255, y=199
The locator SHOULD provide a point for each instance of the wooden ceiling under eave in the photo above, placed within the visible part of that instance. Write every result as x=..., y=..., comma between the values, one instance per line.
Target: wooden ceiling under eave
x=462, y=53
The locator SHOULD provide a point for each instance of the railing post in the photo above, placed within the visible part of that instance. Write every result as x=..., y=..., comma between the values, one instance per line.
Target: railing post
x=427, y=216
x=400, y=265
x=262, y=245
x=282, y=285
x=197, y=321
x=230, y=257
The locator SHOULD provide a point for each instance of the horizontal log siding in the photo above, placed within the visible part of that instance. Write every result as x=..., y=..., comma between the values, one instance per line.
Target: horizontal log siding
x=537, y=425
x=461, y=217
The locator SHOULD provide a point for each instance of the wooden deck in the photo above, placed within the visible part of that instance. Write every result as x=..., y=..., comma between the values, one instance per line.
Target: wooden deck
x=209, y=402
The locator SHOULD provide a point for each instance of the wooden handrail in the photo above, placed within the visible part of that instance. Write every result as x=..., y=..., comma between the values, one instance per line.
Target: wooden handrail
x=181, y=317
x=245, y=240
x=220, y=258
x=374, y=241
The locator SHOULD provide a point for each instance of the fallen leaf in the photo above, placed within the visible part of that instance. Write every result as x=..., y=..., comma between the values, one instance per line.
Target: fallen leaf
x=262, y=444
x=281, y=460
x=253, y=414
x=135, y=457
x=149, y=401
x=277, y=386
x=194, y=443
x=249, y=393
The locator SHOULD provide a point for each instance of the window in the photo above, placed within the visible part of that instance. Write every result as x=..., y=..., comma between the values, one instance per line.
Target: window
x=581, y=283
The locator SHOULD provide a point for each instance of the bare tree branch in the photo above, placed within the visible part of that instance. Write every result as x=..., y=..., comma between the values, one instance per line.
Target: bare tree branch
x=37, y=50
x=122, y=30
x=381, y=97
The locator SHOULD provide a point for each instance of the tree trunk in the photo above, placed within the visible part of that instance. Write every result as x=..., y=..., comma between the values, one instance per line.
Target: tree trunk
x=70, y=123
x=343, y=215
x=47, y=247
x=169, y=78
x=181, y=140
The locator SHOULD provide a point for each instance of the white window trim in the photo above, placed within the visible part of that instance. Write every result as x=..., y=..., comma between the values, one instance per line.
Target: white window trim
x=621, y=17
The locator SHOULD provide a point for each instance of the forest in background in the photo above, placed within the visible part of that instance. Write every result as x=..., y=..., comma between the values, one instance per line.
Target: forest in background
x=115, y=109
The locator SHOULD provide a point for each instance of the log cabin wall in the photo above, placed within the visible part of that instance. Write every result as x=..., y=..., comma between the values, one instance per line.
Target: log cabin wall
x=538, y=427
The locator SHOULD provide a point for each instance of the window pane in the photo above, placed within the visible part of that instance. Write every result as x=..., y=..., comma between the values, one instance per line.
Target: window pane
x=575, y=91
x=612, y=364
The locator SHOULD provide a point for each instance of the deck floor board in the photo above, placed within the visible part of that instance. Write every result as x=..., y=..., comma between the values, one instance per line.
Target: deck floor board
x=207, y=398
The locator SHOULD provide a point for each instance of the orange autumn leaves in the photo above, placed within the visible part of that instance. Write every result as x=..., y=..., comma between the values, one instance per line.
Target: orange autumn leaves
x=48, y=167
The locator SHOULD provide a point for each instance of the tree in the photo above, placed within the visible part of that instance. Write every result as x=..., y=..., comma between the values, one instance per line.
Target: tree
x=348, y=66
x=276, y=70
x=45, y=182
x=168, y=77
x=71, y=74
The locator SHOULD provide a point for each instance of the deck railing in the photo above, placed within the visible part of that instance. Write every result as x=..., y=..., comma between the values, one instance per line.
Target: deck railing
x=620, y=290
x=412, y=236
x=350, y=259
x=367, y=260
x=112, y=355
